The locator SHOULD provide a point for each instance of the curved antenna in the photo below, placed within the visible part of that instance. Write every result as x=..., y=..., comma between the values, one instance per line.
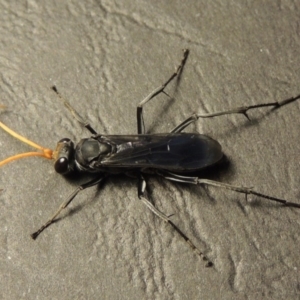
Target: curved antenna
x=45, y=152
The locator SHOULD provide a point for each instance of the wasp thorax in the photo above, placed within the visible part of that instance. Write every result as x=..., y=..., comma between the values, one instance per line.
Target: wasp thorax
x=91, y=149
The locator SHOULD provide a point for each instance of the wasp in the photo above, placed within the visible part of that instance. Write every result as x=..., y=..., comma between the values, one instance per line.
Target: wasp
x=173, y=155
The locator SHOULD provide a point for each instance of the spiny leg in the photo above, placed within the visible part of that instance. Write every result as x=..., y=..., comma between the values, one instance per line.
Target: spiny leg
x=239, y=189
x=80, y=188
x=140, y=119
x=239, y=110
x=75, y=114
x=143, y=198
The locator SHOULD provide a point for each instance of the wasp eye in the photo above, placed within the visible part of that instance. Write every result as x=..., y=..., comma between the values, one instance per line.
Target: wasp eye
x=64, y=156
x=61, y=166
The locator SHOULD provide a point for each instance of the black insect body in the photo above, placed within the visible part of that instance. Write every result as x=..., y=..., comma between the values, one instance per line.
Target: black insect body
x=177, y=152
x=170, y=155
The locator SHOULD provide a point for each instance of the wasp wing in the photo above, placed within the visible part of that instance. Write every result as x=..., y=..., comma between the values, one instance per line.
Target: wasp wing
x=174, y=151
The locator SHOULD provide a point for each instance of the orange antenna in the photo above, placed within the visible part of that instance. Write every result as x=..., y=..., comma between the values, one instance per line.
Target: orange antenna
x=44, y=152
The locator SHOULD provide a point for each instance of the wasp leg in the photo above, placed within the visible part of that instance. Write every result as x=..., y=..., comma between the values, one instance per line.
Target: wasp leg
x=80, y=188
x=239, y=110
x=239, y=189
x=139, y=112
x=75, y=114
x=143, y=198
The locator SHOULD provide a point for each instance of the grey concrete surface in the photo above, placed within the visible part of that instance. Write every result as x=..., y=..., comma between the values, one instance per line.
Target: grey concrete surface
x=104, y=57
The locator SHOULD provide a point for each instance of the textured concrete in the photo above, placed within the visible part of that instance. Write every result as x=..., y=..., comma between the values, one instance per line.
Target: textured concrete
x=104, y=58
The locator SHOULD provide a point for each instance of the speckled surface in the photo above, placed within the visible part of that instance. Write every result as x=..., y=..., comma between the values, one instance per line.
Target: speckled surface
x=104, y=57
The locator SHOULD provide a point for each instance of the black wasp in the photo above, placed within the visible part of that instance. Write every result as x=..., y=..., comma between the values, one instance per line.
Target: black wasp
x=171, y=155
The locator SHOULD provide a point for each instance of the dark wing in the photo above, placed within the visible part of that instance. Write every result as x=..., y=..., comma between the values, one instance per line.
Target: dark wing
x=177, y=152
